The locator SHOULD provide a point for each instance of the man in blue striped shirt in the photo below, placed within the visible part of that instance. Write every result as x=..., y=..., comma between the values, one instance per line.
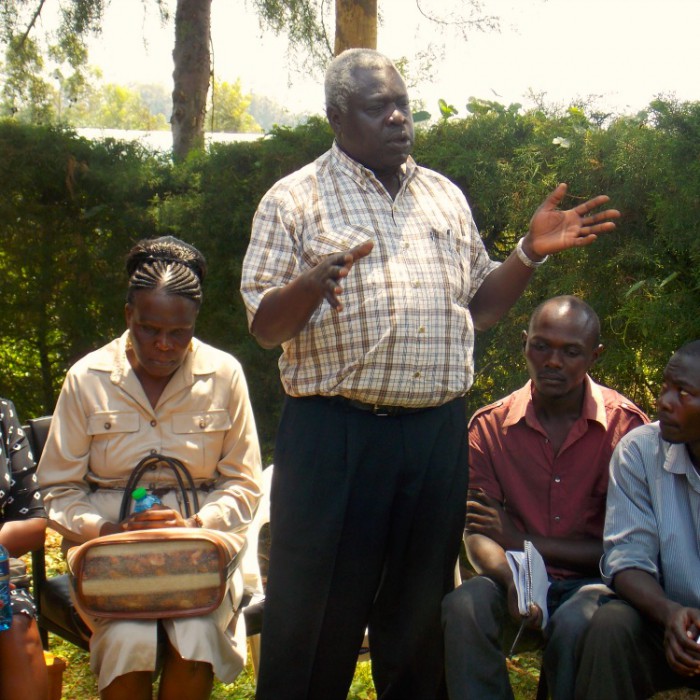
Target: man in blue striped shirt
x=645, y=641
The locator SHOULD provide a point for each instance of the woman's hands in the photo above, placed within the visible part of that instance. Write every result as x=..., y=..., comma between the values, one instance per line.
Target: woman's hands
x=155, y=518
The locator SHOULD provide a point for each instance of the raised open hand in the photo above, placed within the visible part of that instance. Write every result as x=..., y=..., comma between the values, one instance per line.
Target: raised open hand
x=553, y=230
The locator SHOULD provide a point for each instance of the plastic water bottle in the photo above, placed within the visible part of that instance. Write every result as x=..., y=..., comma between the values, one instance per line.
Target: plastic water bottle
x=143, y=500
x=6, y=610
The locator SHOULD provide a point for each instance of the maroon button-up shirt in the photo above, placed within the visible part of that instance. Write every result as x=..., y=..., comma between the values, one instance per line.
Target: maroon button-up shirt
x=548, y=494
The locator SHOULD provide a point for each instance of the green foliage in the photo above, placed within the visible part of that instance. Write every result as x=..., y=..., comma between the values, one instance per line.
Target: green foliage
x=506, y=161
x=269, y=113
x=25, y=93
x=303, y=23
x=447, y=111
x=229, y=109
x=70, y=209
x=113, y=106
x=26, y=49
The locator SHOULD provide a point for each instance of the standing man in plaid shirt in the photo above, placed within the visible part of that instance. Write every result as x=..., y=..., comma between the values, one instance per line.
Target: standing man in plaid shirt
x=369, y=271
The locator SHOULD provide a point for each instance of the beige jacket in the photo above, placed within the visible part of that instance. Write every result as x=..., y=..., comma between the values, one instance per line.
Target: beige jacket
x=103, y=425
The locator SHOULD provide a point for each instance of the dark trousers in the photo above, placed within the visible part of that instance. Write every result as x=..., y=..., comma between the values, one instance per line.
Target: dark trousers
x=479, y=631
x=367, y=514
x=622, y=657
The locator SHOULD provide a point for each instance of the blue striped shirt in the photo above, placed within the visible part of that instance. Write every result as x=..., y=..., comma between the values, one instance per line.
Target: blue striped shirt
x=653, y=514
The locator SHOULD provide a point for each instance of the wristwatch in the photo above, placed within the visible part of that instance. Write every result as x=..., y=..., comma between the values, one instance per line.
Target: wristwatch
x=525, y=260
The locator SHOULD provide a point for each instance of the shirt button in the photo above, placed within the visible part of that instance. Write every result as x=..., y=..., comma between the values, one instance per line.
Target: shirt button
x=416, y=375
x=421, y=329
x=202, y=423
x=108, y=426
x=556, y=518
x=154, y=451
x=557, y=479
x=154, y=423
x=415, y=284
x=406, y=245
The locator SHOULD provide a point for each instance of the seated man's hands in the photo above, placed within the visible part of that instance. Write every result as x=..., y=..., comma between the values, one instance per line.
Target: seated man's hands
x=681, y=631
x=533, y=620
x=486, y=516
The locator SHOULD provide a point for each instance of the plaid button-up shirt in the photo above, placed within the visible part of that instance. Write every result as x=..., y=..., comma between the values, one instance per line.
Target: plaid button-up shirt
x=405, y=336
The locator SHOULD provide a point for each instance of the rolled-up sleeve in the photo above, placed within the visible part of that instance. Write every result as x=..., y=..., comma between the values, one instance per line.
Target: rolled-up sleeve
x=631, y=539
x=270, y=259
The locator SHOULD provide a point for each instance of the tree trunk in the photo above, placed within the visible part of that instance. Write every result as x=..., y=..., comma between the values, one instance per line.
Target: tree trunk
x=190, y=75
x=355, y=25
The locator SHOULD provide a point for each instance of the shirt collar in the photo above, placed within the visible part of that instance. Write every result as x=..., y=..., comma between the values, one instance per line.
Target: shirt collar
x=363, y=176
x=678, y=462
x=522, y=407
x=112, y=358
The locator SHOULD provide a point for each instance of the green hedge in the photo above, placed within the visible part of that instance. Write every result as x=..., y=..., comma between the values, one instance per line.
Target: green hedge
x=70, y=209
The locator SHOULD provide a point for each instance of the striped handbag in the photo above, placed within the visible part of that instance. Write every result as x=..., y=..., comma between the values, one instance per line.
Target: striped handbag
x=151, y=574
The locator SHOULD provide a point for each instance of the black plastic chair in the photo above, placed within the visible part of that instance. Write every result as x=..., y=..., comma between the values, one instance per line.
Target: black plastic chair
x=56, y=612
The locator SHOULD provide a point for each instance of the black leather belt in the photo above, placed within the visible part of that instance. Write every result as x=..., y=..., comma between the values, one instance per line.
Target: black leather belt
x=386, y=411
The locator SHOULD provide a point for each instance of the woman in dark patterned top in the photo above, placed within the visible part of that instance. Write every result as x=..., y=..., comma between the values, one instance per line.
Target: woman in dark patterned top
x=22, y=527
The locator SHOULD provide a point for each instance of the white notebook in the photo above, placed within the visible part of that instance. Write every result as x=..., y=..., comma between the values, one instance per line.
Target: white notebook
x=531, y=580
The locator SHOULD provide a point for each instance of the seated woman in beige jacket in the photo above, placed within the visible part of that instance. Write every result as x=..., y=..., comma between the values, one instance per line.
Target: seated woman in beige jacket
x=156, y=389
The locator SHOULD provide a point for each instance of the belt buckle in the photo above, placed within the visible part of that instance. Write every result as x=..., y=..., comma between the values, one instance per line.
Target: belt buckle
x=381, y=411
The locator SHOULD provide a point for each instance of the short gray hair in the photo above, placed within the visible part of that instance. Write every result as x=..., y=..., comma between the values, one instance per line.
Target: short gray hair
x=340, y=82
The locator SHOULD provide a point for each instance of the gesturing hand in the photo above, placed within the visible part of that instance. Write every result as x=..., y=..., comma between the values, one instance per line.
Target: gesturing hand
x=553, y=230
x=333, y=268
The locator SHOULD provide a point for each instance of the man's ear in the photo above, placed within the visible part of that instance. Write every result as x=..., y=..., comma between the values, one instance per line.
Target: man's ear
x=524, y=339
x=333, y=116
x=597, y=352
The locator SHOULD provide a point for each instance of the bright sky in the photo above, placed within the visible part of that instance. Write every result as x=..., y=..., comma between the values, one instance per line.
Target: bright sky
x=626, y=51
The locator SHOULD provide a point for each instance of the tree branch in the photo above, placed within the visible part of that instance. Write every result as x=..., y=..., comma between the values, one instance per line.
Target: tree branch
x=32, y=23
x=480, y=22
x=325, y=31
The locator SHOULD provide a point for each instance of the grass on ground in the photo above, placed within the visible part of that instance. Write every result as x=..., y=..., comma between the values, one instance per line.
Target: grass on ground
x=80, y=684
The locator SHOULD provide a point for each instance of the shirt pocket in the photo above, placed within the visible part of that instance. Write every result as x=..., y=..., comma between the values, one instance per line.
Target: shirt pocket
x=202, y=421
x=110, y=432
x=202, y=437
x=443, y=254
x=326, y=242
x=104, y=424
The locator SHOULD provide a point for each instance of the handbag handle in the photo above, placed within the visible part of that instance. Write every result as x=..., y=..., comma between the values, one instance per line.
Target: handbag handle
x=182, y=476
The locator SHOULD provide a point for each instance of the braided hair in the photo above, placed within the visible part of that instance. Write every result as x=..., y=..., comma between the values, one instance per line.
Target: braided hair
x=166, y=264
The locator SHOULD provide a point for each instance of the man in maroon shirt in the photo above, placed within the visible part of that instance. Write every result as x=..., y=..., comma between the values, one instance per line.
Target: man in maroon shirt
x=539, y=472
